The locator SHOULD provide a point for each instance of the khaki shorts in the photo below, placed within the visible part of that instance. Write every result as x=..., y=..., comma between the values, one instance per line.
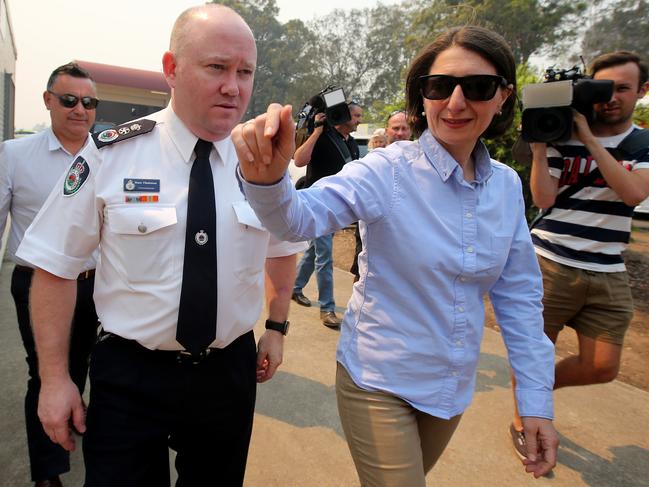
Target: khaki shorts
x=596, y=304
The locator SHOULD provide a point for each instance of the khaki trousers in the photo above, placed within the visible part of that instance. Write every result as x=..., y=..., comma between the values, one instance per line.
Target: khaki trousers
x=392, y=443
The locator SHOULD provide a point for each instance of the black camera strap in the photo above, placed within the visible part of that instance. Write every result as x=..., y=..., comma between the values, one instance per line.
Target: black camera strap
x=634, y=145
x=340, y=144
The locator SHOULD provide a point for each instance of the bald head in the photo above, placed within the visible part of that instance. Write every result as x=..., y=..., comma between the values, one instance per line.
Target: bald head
x=210, y=68
x=180, y=34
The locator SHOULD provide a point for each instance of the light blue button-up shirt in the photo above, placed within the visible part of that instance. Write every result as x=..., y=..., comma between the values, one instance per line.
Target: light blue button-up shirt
x=433, y=246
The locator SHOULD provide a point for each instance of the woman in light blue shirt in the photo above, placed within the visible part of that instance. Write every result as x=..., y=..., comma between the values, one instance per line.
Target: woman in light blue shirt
x=442, y=225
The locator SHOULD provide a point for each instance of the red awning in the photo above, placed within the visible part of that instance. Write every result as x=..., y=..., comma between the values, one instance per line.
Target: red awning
x=129, y=77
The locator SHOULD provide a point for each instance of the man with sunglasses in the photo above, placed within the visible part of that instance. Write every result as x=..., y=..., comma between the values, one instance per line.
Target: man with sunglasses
x=396, y=127
x=580, y=240
x=29, y=169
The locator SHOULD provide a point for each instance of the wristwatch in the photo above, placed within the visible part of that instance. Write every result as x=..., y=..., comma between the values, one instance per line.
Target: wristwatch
x=281, y=327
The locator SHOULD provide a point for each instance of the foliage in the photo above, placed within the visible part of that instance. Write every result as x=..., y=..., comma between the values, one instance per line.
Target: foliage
x=623, y=24
x=641, y=115
x=529, y=26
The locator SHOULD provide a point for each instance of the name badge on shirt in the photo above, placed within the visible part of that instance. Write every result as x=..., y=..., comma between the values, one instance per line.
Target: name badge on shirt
x=141, y=185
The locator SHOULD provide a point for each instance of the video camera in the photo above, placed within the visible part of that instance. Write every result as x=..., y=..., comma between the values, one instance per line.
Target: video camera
x=547, y=106
x=330, y=101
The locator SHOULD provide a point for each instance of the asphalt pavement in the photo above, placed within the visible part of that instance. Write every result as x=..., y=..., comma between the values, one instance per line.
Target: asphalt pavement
x=298, y=441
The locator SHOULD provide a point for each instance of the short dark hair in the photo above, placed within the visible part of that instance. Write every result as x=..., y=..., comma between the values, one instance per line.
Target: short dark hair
x=618, y=58
x=71, y=69
x=488, y=45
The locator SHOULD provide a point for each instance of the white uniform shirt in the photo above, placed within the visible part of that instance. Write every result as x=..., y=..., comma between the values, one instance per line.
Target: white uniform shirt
x=29, y=168
x=139, y=277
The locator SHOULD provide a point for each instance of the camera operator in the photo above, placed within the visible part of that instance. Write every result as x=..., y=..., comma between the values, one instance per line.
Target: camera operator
x=580, y=240
x=326, y=151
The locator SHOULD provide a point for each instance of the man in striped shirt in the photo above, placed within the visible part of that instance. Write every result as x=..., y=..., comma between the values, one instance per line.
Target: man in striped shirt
x=580, y=241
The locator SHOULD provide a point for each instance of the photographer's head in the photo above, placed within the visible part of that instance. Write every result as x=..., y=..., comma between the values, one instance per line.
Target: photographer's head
x=356, y=113
x=459, y=87
x=629, y=74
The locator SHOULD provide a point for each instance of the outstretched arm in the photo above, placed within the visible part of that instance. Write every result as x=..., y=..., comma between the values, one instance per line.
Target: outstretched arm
x=265, y=145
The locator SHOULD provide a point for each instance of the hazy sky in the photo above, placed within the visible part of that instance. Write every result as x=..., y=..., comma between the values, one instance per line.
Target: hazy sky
x=131, y=33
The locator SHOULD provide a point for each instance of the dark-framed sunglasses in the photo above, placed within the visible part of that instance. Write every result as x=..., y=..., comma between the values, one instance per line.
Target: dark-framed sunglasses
x=477, y=87
x=70, y=101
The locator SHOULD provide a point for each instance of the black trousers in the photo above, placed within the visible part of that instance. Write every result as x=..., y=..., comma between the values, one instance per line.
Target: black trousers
x=143, y=402
x=48, y=459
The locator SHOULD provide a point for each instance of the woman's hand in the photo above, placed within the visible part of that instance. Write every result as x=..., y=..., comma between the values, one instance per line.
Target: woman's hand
x=265, y=145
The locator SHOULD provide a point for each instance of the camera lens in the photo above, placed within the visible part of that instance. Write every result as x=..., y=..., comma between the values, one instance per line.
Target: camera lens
x=547, y=124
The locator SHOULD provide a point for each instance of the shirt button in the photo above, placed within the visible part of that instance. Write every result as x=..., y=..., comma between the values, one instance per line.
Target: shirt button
x=459, y=343
x=455, y=373
x=469, y=249
x=460, y=309
x=469, y=214
x=463, y=279
x=141, y=228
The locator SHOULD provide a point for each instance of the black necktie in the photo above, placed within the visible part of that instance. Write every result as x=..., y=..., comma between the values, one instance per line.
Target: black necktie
x=197, y=312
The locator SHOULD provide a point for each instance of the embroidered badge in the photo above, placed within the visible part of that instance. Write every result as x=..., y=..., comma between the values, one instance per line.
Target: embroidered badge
x=108, y=135
x=76, y=176
x=123, y=132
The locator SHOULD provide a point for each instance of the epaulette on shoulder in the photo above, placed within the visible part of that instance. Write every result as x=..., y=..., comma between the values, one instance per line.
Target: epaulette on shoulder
x=123, y=132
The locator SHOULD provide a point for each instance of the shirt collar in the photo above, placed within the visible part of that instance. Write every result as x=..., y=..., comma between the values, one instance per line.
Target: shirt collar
x=444, y=163
x=185, y=140
x=54, y=144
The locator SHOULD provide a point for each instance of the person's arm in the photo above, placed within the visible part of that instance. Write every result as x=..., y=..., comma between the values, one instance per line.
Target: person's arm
x=516, y=298
x=631, y=186
x=303, y=153
x=52, y=301
x=5, y=188
x=279, y=280
x=543, y=185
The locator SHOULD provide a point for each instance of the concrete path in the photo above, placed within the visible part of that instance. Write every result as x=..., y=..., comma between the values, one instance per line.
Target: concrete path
x=298, y=441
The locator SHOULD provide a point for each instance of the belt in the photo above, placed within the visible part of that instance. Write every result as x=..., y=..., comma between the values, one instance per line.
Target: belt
x=81, y=277
x=182, y=357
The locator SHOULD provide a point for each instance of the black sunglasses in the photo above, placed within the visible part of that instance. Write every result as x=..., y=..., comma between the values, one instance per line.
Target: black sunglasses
x=70, y=101
x=477, y=87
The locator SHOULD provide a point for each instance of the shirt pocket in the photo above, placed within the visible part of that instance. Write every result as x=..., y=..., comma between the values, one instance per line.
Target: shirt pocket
x=250, y=244
x=496, y=255
x=142, y=240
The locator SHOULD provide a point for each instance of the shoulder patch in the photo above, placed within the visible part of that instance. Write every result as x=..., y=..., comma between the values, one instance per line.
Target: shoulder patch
x=76, y=176
x=123, y=132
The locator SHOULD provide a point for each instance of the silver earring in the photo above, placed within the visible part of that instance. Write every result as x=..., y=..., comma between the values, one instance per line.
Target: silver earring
x=423, y=114
x=499, y=113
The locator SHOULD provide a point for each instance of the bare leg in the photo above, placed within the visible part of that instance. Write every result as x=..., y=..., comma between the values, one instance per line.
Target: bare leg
x=597, y=362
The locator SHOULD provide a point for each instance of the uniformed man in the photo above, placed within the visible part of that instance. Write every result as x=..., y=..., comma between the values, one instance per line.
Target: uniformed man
x=29, y=168
x=180, y=279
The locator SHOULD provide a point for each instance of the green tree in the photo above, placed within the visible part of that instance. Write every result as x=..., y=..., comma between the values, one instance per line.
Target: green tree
x=641, y=115
x=529, y=26
x=623, y=24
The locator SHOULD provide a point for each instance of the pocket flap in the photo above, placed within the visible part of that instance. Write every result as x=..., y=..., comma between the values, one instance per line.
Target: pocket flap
x=137, y=220
x=246, y=215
